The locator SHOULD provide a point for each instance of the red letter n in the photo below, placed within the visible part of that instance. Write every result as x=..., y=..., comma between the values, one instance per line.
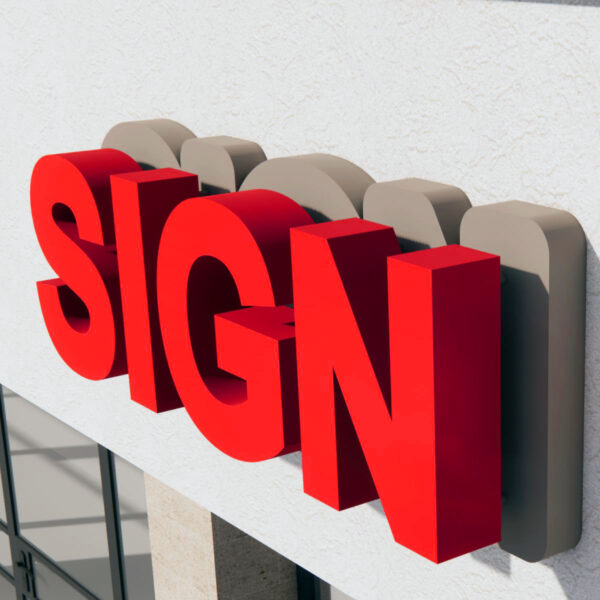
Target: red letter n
x=431, y=448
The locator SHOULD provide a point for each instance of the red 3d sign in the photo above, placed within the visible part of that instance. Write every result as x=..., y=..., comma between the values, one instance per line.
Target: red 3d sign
x=251, y=292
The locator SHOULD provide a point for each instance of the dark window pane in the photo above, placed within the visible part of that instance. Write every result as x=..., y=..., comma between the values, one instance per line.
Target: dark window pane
x=51, y=587
x=2, y=507
x=134, y=525
x=5, y=557
x=7, y=590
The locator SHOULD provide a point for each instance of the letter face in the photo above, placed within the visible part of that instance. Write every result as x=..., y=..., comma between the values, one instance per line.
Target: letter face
x=258, y=344
x=72, y=216
x=434, y=452
x=445, y=357
x=543, y=258
x=341, y=309
x=142, y=202
x=217, y=254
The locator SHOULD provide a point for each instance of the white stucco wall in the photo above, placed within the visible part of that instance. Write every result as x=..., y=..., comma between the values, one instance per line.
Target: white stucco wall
x=498, y=97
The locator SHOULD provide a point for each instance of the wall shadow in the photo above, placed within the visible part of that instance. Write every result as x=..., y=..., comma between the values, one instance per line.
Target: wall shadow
x=294, y=458
x=494, y=557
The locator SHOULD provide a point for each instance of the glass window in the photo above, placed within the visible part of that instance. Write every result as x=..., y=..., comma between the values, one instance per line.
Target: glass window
x=59, y=494
x=2, y=507
x=7, y=590
x=134, y=527
x=49, y=586
x=5, y=556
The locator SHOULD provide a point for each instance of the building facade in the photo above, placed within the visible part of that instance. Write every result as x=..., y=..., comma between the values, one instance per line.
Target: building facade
x=499, y=98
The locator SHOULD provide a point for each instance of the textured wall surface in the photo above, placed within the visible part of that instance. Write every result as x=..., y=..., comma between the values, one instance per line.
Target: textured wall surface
x=500, y=98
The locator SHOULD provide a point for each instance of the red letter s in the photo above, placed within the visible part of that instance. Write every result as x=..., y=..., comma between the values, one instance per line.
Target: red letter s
x=72, y=215
x=217, y=254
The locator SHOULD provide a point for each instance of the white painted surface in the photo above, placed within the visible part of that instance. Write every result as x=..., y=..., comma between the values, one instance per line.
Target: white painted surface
x=500, y=98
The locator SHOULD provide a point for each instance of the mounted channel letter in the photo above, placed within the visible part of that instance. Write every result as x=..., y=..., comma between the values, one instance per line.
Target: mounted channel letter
x=142, y=202
x=153, y=143
x=424, y=214
x=543, y=257
x=327, y=186
x=216, y=254
x=221, y=162
x=73, y=219
x=431, y=448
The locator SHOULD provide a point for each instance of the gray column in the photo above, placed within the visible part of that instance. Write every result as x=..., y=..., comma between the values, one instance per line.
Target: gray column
x=198, y=556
